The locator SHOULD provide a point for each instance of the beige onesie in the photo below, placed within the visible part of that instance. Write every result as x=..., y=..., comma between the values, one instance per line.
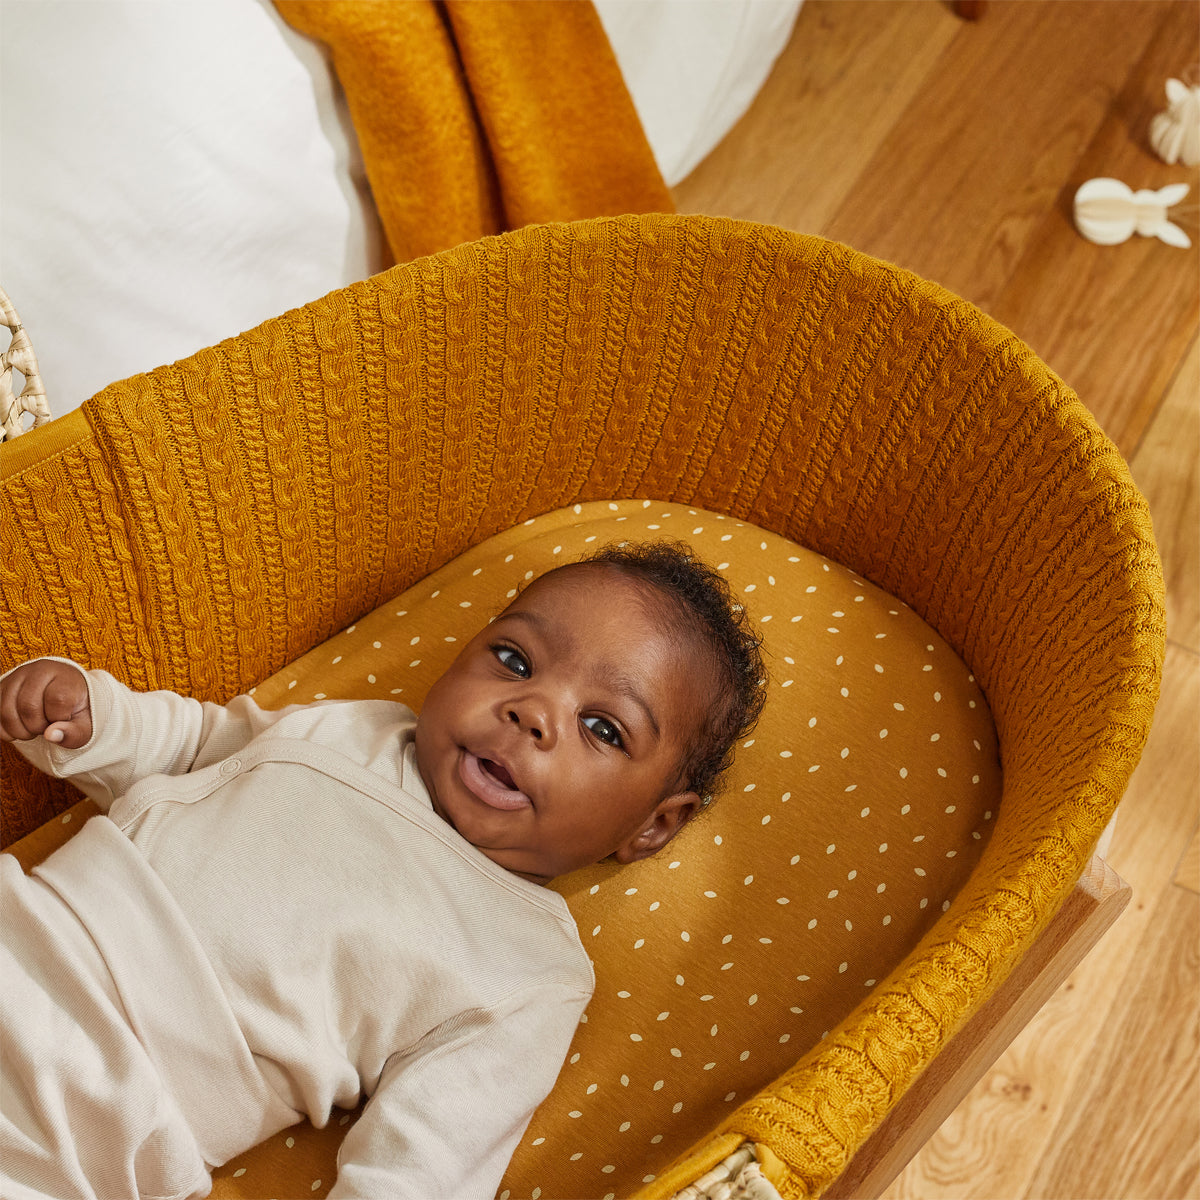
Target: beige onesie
x=270, y=922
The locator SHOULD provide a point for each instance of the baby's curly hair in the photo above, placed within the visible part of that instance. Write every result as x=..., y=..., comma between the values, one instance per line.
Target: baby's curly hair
x=700, y=600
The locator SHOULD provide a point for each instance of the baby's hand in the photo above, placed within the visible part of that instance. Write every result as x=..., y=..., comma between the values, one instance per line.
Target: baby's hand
x=50, y=698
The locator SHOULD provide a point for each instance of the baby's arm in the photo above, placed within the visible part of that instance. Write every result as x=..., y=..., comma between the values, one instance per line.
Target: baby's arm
x=132, y=734
x=446, y=1117
x=46, y=697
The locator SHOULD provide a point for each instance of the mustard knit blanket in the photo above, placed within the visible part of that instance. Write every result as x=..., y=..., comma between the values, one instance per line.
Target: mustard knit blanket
x=478, y=117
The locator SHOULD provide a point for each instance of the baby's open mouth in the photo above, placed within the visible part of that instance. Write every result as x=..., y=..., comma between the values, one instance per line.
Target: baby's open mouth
x=498, y=772
x=491, y=782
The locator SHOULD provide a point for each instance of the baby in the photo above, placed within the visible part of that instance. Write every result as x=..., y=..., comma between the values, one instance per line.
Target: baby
x=285, y=911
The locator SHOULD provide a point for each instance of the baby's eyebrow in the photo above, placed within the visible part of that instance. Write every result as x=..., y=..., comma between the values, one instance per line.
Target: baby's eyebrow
x=521, y=614
x=624, y=686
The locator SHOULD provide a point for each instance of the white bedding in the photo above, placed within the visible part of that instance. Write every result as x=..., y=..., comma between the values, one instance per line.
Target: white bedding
x=178, y=170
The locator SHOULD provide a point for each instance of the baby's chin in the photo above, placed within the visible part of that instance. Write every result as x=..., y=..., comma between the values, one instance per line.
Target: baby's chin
x=516, y=864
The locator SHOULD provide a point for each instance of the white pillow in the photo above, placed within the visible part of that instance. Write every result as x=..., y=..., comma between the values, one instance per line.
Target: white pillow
x=176, y=172
x=694, y=66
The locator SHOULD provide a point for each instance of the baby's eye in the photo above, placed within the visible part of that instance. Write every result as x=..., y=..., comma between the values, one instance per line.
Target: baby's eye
x=605, y=730
x=513, y=660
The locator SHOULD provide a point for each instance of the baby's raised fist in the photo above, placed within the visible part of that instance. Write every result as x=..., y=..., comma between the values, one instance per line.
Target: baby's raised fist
x=47, y=698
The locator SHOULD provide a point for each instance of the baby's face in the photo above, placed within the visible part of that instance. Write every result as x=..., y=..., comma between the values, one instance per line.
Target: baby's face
x=555, y=738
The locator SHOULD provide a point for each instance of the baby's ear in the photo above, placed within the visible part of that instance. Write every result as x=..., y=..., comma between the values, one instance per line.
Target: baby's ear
x=667, y=819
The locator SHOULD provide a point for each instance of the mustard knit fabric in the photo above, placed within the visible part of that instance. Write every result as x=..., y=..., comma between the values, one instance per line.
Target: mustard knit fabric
x=477, y=117
x=203, y=525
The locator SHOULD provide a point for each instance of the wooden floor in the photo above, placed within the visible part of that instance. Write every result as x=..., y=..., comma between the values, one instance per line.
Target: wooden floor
x=955, y=148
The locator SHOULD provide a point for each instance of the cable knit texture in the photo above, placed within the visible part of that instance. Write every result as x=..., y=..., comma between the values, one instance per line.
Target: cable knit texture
x=218, y=517
x=475, y=118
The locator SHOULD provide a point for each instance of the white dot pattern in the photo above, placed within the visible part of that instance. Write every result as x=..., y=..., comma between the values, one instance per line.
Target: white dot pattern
x=850, y=820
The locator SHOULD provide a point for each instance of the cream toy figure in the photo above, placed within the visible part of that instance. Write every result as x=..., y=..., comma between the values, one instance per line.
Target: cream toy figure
x=1175, y=133
x=1108, y=212
x=283, y=912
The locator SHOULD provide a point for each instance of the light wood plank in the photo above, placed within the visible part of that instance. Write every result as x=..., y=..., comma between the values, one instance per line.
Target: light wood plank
x=1135, y=1118
x=980, y=157
x=836, y=92
x=1159, y=813
x=1167, y=469
x=1115, y=321
x=1187, y=875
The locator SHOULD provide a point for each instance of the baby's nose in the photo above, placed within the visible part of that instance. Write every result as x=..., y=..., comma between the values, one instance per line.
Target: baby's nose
x=529, y=722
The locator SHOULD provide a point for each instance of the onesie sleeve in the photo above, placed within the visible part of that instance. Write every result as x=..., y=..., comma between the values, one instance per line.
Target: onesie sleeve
x=446, y=1116
x=137, y=734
